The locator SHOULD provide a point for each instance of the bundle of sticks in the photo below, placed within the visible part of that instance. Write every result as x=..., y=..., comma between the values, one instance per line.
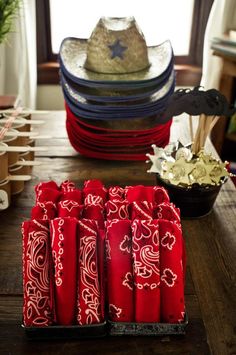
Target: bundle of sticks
x=204, y=128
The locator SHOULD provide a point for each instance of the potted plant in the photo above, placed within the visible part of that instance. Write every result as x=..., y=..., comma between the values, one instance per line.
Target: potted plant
x=8, y=11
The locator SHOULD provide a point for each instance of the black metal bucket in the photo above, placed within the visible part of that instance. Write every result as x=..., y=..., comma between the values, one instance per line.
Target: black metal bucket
x=196, y=201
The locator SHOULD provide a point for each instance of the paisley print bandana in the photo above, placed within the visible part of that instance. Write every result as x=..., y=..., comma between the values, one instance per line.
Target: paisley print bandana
x=119, y=271
x=167, y=210
x=69, y=208
x=161, y=195
x=64, y=254
x=140, y=193
x=172, y=272
x=117, y=209
x=89, y=292
x=94, y=212
x=75, y=195
x=141, y=210
x=146, y=270
x=37, y=278
x=44, y=210
x=116, y=193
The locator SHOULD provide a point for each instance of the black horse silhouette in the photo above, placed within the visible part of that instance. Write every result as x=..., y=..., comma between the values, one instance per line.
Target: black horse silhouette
x=196, y=101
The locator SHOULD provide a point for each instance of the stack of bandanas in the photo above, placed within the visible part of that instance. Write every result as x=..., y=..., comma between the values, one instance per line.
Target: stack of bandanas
x=116, y=89
x=95, y=254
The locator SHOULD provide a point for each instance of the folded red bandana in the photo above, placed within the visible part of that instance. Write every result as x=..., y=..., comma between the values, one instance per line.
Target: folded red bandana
x=67, y=186
x=116, y=193
x=69, y=208
x=64, y=253
x=141, y=210
x=117, y=209
x=95, y=191
x=161, y=195
x=37, y=288
x=172, y=272
x=167, y=210
x=89, y=298
x=44, y=210
x=43, y=185
x=75, y=195
x=119, y=271
x=94, y=183
x=146, y=265
x=48, y=194
x=94, y=212
x=140, y=193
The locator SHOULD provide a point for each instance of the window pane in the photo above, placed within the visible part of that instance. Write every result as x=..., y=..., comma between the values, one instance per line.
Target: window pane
x=159, y=20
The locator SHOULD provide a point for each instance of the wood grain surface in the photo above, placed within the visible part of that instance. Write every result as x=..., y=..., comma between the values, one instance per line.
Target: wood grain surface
x=211, y=259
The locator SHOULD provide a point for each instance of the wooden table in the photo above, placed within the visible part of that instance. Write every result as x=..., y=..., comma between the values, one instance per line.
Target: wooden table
x=227, y=88
x=211, y=260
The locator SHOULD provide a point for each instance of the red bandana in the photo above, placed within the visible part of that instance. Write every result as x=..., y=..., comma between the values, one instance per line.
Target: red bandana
x=37, y=285
x=64, y=253
x=146, y=265
x=119, y=271
x=172, y=272
x=89, y=297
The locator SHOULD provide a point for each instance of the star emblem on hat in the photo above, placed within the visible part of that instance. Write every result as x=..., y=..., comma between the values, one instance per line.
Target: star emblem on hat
x=117, y=50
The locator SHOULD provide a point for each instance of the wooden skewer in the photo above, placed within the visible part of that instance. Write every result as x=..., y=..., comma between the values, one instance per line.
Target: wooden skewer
x=207, y=127
x=23, y=121
x=196, y=145
x=214, y=122
x=191, y=127
x=34, y=112
x=31, y=134
x=20, y=134
x=28, y=163
x=22, y=149
x=19, y=177
x=42, y=137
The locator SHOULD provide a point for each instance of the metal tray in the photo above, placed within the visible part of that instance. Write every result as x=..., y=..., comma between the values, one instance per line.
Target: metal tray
x=147, y=329
x=107, y=328
x=67, y=332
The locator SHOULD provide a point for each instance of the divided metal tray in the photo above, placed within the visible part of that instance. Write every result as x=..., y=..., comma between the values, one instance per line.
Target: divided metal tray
x=106, y=329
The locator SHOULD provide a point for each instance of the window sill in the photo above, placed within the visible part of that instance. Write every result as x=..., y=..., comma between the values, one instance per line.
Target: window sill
x=186, y=75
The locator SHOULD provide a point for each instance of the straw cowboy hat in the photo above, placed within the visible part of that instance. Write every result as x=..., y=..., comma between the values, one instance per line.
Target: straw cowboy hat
x=116, y=51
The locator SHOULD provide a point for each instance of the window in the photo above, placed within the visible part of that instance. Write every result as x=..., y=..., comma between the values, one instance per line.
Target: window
x=181, y=21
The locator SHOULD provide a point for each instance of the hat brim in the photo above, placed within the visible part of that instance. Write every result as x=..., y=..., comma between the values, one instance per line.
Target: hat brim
x=72, y=56
x=150, y=103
